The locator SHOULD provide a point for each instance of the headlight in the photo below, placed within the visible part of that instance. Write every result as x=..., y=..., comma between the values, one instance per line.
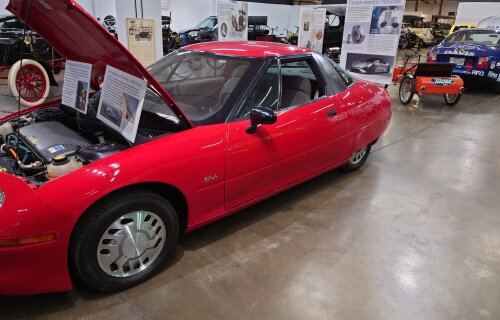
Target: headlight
x=2, y=197
x=27, y=39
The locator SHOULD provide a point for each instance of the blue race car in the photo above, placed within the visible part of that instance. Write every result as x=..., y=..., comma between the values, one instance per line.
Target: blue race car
x=476, y=53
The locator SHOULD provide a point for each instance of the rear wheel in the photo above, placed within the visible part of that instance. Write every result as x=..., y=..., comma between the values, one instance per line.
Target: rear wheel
x=357, y=159
x=124, y=241
x=406, y=90
x=451, y=99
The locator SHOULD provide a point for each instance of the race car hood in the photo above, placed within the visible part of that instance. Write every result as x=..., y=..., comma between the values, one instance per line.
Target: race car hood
x=76, y=35
x=466, y=49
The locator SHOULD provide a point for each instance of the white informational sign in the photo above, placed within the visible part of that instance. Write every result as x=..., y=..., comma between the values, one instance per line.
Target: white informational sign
x=141, y=39
x=122, y=97
x=370, y=40
x=312, y=28
x=232, y=20
x=76, y=85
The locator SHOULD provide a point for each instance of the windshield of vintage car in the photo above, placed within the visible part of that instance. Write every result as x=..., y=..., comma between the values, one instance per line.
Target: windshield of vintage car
x=204, y=86
x=208, y=23
x=490, y=37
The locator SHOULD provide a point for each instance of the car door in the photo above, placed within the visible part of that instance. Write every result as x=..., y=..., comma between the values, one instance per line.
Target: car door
x=297, y=146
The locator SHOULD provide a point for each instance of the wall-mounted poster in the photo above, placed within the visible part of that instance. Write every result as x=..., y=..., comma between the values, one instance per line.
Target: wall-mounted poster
x=370, y=40
x=122, y=97
x=141, y=39
x=76, y=85
x=232, y=20
x=312, y=28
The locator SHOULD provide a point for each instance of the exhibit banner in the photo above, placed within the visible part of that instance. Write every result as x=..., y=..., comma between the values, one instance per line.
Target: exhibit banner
x=232, y=20
x=76, y=85
x=371, y=37
x=141, y=39
x=122, y=97
x=312, y=28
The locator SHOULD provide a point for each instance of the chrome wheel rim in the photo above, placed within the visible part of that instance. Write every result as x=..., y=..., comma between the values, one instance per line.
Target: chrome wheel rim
x=131, y=244
x=451, y=97
x=357, y=156
x=406, y=89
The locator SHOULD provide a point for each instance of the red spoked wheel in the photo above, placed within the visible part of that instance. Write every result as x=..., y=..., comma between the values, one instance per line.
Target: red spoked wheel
x=31, y=84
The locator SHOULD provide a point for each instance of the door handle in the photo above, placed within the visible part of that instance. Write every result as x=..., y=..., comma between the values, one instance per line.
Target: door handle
x=331, y=113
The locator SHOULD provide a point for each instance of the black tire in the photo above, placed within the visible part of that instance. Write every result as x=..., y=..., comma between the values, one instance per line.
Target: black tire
x=451, y=99
x=92, y=227
x=371, y=70
x=352, y=165
x=406, y=84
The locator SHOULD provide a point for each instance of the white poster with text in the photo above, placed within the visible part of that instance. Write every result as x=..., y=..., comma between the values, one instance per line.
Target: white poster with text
x=312, y=28
x=371, y=36
x=232, y=20
x=122, y=97
x=76, y=85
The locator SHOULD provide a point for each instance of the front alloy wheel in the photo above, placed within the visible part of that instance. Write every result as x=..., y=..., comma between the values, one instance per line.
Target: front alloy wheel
x=124, y=240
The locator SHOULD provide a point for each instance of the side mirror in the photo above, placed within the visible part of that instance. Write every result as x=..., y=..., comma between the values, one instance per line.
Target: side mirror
x=260, y=115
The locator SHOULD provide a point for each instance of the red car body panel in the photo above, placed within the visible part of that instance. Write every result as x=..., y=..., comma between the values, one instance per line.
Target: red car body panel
x=219, y=169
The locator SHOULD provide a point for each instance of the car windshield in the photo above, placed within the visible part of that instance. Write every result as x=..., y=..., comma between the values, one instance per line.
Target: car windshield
x=490, y=37
x=208, y=23
x=204, y=86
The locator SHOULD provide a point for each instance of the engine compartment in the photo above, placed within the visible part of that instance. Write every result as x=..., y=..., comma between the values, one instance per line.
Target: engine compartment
x=47, y=143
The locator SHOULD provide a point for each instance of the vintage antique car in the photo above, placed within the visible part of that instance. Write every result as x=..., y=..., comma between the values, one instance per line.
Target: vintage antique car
x=476, y=53
x=224, y=125
x=39, y=64
x=371, y=66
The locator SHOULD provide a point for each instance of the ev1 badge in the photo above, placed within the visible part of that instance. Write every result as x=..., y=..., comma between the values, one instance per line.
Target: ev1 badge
x=442, y=82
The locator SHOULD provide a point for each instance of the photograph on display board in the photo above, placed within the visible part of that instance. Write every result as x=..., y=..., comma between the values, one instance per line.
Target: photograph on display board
x=141, y=39
x=82, y=93
x=369, y=63
x=233, y=20
x=356, y=33
x=386, y=19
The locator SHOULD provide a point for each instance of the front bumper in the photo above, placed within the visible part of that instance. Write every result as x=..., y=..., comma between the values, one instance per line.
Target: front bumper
x=37, y=268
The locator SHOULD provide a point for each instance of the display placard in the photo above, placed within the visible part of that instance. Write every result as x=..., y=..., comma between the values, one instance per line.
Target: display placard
x=232, y=20
x=122, y=97
x=76, y=85
x=141, y=39
x=371, y=37
x=312, y=28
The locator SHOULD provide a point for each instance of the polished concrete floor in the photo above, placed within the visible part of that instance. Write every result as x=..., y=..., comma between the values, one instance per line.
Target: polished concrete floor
x=414, y=234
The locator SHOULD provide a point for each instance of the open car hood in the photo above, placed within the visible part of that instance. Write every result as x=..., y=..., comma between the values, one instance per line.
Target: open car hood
x=76, y=35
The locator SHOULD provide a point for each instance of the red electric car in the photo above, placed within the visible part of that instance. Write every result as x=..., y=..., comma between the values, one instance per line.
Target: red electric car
x=224, y=125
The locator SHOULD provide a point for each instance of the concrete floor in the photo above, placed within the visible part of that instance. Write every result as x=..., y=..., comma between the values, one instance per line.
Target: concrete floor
x=414, y=234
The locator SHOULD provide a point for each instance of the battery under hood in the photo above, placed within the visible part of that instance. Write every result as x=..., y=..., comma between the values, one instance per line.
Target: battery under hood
x=76, y=35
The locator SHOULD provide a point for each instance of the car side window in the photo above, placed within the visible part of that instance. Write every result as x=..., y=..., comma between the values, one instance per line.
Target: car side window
x=338, y=84
x=301, y=84
x=265, y=93
x=346, y=77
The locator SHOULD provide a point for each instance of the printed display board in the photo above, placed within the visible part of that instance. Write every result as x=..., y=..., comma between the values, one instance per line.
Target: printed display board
x=141, y=39
x=371, y=36
x=76, y=85
x=312, y=28
x=232, y=20
x=122, y=97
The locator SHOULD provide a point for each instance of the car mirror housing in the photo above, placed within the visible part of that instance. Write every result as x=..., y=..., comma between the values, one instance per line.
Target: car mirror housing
x=260, y=115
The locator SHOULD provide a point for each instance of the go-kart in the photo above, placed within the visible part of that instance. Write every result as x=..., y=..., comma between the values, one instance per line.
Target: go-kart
x=427, y=78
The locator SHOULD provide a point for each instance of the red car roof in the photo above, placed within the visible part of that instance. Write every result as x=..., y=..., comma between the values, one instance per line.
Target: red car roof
x=248, y=48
